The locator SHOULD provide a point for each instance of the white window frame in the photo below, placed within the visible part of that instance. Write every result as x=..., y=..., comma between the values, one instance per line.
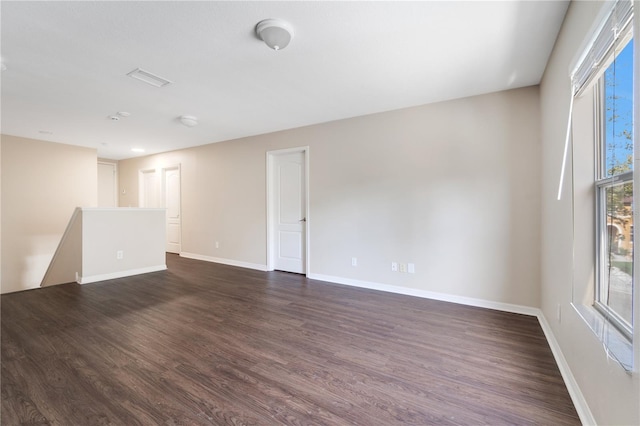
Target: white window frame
x=602, y=183
x=615, y=24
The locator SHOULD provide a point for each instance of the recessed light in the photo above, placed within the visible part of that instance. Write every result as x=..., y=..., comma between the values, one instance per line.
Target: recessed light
x=123, y=114
x=45, y=132
x=149, y=78
x=137, y=149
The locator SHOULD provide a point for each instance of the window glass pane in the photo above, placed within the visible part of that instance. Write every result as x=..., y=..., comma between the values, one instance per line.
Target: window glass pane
x=616, y=288
x=618, y=126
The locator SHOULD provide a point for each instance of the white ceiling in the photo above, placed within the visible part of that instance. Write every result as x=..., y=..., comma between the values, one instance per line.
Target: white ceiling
x=67, y=65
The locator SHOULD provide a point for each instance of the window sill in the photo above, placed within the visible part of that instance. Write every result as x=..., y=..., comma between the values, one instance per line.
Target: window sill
x=615, y=343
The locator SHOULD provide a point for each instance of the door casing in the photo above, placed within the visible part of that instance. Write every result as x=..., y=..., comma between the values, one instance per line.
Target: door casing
x=271, y=234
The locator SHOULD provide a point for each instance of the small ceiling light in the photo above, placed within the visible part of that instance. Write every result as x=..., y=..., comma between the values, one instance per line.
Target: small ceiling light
x=276, y=33
x=137, y=149
x=149, y=78
x=123, y=114
x=189, y=120
x=114, y=118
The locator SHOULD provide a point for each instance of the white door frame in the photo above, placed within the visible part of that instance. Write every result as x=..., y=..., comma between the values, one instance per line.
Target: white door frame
x=163, y=192
x=271, y=208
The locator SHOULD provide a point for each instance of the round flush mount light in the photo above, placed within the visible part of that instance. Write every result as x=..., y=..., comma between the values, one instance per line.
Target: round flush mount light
x=189, y=120
x=276, y=33
x=118, y=115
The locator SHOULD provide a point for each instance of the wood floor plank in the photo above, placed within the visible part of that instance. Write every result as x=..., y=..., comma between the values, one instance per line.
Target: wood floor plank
x=210, y=344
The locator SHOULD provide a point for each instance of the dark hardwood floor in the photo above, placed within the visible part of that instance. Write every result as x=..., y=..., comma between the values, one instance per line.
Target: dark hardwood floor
x=204, y=343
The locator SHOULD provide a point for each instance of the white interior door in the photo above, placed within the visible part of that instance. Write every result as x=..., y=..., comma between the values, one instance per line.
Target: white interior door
x=172, y=203
x=149, y=189
x=107, y=185
x=289, y=211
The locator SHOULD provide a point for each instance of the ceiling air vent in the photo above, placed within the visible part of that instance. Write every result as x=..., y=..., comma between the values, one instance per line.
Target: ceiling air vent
x=148, y=78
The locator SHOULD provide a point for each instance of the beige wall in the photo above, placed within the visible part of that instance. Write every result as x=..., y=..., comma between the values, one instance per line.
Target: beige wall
x=42, y=183
x=452, y=187
x=138, y=233
x=612, y=395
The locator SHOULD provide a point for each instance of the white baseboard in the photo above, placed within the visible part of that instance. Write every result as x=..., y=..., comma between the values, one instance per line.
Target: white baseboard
x=586, y=417
x=120, y=274
x=231, y=262
x=481, y=303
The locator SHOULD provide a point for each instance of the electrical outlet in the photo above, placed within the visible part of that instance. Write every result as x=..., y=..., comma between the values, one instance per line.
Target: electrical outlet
x=394, y=266
x=403, y=268
x=354, y=261
x=559, y=312
x=411, y=268
x=119, y=255
x=217, y=244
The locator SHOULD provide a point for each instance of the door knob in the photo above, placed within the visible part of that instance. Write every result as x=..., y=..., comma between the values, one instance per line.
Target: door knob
x=304, y=219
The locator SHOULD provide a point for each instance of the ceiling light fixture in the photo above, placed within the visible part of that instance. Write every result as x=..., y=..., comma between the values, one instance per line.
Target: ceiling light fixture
x=276, y=33
x=118, y=115
x=137, y=149
x=149, y=78
x=189, y=120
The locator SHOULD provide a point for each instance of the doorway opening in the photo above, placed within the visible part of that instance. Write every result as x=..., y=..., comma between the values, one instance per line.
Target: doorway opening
x=161, y=188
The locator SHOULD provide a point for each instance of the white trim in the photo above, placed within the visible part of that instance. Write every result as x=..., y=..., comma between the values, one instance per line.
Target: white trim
x=481, y=303
x=102, y=209
x=256, y=266
x=269, y=206
x=120, y=274
x=636, y=184
x=270, y=235
x=586, y=417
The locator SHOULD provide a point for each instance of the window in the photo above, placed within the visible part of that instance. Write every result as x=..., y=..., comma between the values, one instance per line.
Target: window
x=601, y=136
x=614, y=190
